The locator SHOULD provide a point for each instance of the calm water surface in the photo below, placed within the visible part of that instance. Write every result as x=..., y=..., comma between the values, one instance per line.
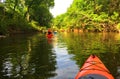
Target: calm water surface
x=36, y=57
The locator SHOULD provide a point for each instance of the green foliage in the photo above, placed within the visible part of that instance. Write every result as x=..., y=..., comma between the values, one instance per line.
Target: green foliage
x=3, y=28
x=118, y=26
x=90, y=15
x=42, y=15
x=115, y=16
x=17, y=15
x=35, y=25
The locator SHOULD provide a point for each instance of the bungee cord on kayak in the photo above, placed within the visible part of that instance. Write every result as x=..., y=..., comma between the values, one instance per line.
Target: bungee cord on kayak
x=93, y=68
x=95, y=63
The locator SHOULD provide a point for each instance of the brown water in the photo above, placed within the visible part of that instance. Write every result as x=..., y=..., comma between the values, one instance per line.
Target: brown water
x=36, y=57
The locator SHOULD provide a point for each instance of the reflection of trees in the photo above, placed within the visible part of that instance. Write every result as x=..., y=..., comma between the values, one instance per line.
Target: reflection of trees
x=44, y=60
x=112, y=61
x=105, y=45
x=16, y=57
x=27, y=58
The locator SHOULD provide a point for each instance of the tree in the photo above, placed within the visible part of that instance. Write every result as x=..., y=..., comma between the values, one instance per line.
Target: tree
x=18, y=14
x=95, y=15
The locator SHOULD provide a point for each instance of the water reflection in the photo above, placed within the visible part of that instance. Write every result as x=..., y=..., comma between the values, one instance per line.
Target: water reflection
x=66, y=67
x=105, y=45
x=36, y=57
x=26, y=57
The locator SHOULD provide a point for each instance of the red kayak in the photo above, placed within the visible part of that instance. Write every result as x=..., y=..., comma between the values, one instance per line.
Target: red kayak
x=93, y=68
x=49, y=35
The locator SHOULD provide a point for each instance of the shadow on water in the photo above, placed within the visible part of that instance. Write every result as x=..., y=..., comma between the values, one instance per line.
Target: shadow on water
x=36, y=57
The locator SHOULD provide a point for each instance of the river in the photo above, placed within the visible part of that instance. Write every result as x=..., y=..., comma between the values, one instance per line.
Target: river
x=33, y=56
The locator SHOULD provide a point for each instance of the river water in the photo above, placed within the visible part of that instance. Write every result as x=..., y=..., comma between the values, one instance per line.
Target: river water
x=33, y=56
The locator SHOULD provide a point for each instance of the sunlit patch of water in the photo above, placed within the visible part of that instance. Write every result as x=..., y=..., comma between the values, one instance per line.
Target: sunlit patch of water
x=7, y=67
x=66, y=67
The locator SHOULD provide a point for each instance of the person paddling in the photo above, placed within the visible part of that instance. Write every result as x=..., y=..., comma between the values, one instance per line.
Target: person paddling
x=49, y=34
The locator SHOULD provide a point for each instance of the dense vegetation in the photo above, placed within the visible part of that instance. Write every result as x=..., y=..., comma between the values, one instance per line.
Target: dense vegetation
x=91, y=15
x=24, y=15
x=85, y=15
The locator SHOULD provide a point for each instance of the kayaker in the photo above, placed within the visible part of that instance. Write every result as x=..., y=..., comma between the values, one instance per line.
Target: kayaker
x=49, y=34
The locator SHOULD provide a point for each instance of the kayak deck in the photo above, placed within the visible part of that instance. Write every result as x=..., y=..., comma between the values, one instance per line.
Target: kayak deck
x=93, y=68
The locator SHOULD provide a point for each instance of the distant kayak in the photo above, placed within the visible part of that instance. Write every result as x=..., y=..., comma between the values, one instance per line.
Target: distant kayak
x=93, y=68
x=49, y=34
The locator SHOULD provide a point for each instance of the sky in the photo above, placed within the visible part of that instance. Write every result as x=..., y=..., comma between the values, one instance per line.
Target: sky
x=1, y=0
x=60, y=7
